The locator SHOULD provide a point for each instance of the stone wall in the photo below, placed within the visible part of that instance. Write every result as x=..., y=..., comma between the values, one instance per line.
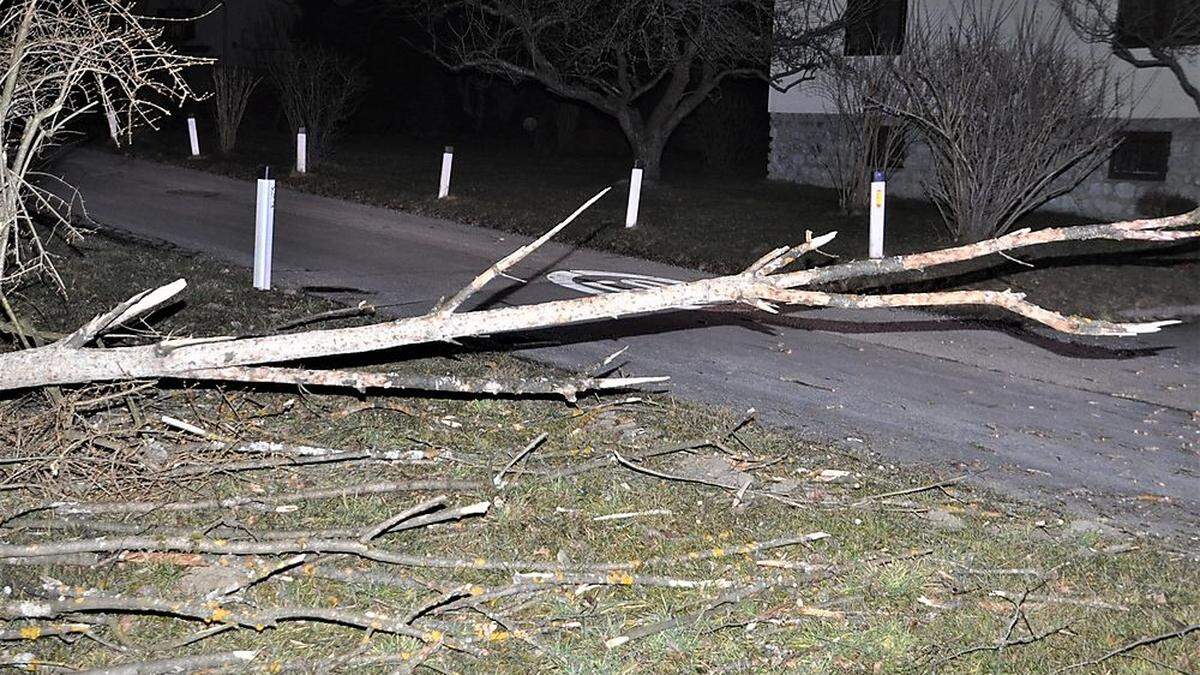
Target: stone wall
x=799, y=140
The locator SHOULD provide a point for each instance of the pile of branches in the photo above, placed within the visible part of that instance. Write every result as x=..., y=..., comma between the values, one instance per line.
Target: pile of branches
x=466, y=605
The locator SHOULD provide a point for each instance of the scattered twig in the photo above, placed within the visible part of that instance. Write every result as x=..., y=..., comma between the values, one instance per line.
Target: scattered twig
x=182, y=664
x=211, y=612
x=362, y=309
x=631, y=514
x=666, y=476
x=498, y=480
x=697, y=616
x=1136, y=644
x=362, y=380
x=266, y=501
x=200, y=544
x=1005, y=644
x=189, y=428
x=36, y=631
x=617, y=578
x=253, y=578
x=382, y=528
x=913, y=490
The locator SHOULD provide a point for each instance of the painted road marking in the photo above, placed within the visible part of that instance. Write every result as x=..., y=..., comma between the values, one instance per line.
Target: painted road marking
x=595, y=282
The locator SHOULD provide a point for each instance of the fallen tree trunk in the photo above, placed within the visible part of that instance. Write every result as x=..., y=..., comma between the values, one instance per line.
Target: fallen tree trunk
x=72, y=359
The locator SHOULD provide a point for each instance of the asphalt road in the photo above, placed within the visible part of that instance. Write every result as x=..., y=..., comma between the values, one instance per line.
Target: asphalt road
x=1109, y=427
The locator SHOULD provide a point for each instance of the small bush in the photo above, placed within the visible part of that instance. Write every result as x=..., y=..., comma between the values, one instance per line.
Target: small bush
x=319, y=90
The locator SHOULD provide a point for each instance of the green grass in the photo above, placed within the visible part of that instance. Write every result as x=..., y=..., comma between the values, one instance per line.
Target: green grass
x=889, y=591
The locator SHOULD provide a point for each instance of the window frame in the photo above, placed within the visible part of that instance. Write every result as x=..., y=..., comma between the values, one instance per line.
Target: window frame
x=862, y=37
x=1120, y=170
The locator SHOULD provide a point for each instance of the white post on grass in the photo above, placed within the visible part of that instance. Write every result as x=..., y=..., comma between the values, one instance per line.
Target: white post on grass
x=635, y=194
x=878, y=198
x=264, y=231
x=192, y=137
x=447, y=164
x=302, y=151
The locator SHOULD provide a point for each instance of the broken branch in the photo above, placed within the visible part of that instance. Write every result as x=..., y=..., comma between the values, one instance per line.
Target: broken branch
x=209, y=358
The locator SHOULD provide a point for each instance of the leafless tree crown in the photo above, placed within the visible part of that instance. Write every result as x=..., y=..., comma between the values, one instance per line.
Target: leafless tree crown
x=65, y=59
x=232, y=88
x=646, y=63
x=863, y=137
x=1013, y=113
x=319, y=90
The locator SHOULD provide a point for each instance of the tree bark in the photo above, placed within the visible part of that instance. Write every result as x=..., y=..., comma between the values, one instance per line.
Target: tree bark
x=649, y=149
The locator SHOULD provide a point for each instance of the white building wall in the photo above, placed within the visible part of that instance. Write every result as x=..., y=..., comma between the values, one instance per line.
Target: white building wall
x=800, y=126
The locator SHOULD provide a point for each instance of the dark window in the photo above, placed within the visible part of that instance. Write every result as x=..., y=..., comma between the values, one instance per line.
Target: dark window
x=890, y=141
x=1141, y=155
x=1162, y=23
x=875, y=27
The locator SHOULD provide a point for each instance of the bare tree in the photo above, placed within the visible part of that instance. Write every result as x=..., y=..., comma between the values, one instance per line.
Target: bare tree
x=319, y=90
x=863, y=138
x=64, y=59
x=1146, y=34
x=646, y=63
x=1014, y=115
x=232, y=88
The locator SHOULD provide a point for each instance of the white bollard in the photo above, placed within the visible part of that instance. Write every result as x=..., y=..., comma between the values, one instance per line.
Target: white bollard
x=878, y=197
x=302, y=151
x=195, y=140
x=635, y=194
x=114, y=130
x=447, y=164
x=264, y=231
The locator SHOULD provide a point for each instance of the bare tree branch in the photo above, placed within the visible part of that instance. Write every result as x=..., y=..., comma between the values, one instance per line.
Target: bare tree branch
x=65, y=59
x=1150, y=36
x=1013, y=113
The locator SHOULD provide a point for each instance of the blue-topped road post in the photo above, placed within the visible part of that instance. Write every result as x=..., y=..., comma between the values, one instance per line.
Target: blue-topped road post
x=878, y=197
